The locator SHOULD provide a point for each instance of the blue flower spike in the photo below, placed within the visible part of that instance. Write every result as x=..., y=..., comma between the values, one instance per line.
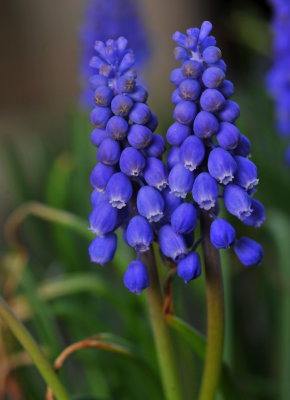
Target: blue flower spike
x=207, y=165
x=277, y=80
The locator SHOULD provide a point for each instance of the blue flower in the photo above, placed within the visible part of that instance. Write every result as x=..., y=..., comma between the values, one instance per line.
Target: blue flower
x=278, y=77
x=109, y=19
x=222, y=234
x=103, y=219
x=117, y=128
x=192, y=152
x=155, y=173
x=102, y=249
x=237, y=201
x=136, y=277
x=246, y=175
x=190, y=267
x=221, y=165
x=257, y=216
x=228, y=136
x=248, y=251
x=109, y=152
x=184, y=218
x=136, y=191
x=150, y=203
x=180, y=180
x=139, y=234
x=100, y=176
x=212, y=100
x=205, y=125
x=206, y=140
x=213, y=77
x=119, y=190
x=139, y=136
x=132, y=162
x=171, y=243
x=157, y=146
x=230, y=112
x=173, y=157
x=205, y=191
x=185, y=112
x=177, y=133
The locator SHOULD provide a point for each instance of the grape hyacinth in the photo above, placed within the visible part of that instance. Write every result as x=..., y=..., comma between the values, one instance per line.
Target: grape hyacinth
x=278, y=80
x=207, y=163
x=129, y=177
x=109, y=19
x=209, y=158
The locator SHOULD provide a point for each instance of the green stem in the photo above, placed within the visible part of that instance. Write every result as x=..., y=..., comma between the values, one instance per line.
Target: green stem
x=32, y=349
x=161, y=334
x=215, y=314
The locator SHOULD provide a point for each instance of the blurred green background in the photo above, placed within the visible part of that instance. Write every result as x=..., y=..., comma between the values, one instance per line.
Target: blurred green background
x=46, y=157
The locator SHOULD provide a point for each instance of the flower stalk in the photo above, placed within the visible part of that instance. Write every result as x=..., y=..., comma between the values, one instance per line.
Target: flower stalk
x=161, y=334
x=215, y=314
x=24, y=337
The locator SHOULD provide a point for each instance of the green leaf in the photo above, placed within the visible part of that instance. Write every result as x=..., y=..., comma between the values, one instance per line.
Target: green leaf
x=228, y=387
x=57, y=189
x=193, y=337
x=279, y=226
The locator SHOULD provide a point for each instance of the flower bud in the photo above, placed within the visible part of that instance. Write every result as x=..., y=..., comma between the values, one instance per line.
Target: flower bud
x=212, y=100
x=109, y=152
x=157, y=146
x=177, y=133
x=222, y=234
x=257, y=217
x=189, y=89
x=212, y=54
x=248, y=251
x=119, y=190
x=117, y=128
x=237, y=201
x=103, y=219
x=139, y=136
x=180, y=180
x=185, y=112
x=132, y=161
x=190, y=267
x=171, y=243
x=101, y=175
x=100, y=116
x=221, y=165
x=192, y=152
x=205, y=125
x=150, y=203
x=140, y=114
x=97, y=136
x=213, y=77
x=155, y=173
x=246, y=175
x=205, y=191
x=102, y=249
x=228, y=136
x=139, y=234
x=121, y=105
x=173, y=157
x=184, y=218
x=136, y=277
x=230, y=112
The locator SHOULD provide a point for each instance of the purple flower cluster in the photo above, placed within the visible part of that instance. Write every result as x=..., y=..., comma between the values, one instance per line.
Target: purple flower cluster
x=209, y=158
x=135, y=190
x=129, y=175
x=109, y=19
x=278, y=79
